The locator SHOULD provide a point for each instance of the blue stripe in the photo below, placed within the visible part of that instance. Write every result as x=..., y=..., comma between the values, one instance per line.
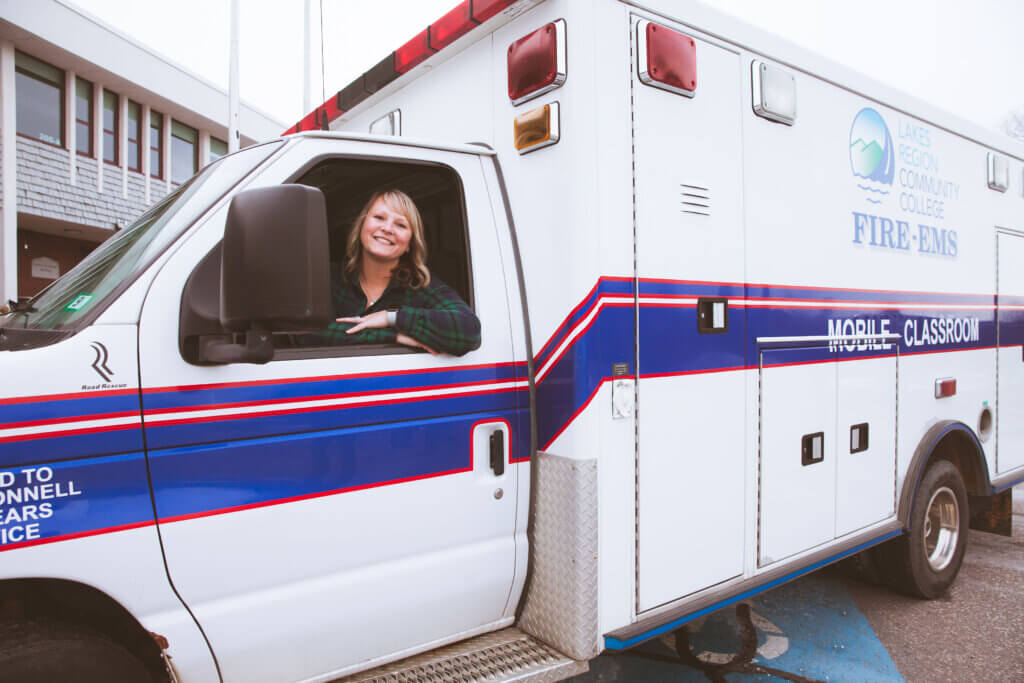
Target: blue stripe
x=197, y=398
x=612, y=643
x=669, y=343
x=579, y=371
x=112, y=492
x=839, y=295
x=72, y=446
x=44, y=409
x=197, y=479
x=604, y=286
x=255, y=426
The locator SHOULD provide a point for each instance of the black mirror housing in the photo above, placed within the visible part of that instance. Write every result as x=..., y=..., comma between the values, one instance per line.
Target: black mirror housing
x=275, y=268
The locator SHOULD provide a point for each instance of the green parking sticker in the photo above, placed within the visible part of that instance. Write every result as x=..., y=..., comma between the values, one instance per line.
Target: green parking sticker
x=79, y=302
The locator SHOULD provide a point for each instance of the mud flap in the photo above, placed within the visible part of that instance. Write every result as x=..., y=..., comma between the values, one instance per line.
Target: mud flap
x=993, y=514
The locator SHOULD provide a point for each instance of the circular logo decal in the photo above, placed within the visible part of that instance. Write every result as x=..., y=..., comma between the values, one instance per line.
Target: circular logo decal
x=871, y=151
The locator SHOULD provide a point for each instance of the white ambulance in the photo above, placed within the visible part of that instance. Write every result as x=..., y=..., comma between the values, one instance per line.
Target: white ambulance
x=744, y=314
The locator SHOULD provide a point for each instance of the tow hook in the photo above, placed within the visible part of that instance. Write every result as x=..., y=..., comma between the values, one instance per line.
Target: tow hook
x=162, y=644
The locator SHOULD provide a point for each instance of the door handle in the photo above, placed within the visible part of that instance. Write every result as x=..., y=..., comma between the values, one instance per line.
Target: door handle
x=498, y=452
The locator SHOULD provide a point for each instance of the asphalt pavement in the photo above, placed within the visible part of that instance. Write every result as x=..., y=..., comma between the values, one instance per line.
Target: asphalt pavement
x=834, y=626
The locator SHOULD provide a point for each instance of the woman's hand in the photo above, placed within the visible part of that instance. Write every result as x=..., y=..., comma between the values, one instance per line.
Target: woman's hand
x=379, y=319
x=409, y=341
x=362, y=322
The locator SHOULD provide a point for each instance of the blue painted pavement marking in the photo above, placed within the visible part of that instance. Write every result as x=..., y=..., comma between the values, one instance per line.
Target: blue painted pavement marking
x=806, y=630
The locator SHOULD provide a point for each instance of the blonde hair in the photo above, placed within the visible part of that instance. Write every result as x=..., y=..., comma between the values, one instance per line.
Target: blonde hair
x=411, y=271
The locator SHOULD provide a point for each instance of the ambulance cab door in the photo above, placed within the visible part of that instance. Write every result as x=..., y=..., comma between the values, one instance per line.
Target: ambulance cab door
x=342, y=506
x=689, y=267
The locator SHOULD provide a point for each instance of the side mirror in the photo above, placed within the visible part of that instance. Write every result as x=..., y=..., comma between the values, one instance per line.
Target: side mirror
x=273, y=274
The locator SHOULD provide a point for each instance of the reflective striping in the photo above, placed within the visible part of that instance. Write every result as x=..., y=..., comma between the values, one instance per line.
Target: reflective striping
x=179, y=415
x=579, y=329
x=65, y=415
x=67, y=428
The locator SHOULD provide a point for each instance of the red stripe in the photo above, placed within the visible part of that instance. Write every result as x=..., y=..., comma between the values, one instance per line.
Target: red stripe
x=871, y=291
x=572, y=314
x=310, y=496
x=580, y=410
x=823, y=289
x=223, y=511
x=554, y=359
x=64, y=397
x=329, y=397
x=827, y=360
x=69, y=432
x=655, y=375
x=666, y=305
x=79, y=534
x=493, y=420
x=64, y=420
x=315, y=409
x=922, y=353
x=326, y=378
x=837, y=303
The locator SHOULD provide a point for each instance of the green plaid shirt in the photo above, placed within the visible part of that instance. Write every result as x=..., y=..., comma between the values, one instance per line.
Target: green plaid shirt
x=435, y=315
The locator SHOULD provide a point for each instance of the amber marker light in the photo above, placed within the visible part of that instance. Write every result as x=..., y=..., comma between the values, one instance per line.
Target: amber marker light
x=536, y=128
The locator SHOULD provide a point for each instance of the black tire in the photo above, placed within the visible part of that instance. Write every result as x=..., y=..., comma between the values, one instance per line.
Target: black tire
x=921, y=562
x=35, y=651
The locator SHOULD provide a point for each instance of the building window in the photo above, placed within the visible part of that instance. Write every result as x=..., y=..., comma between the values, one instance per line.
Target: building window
x=184, y=152
x=83, y=116
x=218, y=148
x=40, y=100
x=110, y=116
x=134, y=158
x=156, y=156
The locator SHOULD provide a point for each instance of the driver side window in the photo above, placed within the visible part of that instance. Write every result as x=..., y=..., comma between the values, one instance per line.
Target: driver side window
x=438, y=311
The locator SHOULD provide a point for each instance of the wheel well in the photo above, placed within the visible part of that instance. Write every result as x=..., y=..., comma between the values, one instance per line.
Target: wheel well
x=960, y=449
x=83, y=607
x=952, y=441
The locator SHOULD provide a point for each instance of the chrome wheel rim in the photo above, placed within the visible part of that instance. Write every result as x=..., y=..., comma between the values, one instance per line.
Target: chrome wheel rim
x=941, y=528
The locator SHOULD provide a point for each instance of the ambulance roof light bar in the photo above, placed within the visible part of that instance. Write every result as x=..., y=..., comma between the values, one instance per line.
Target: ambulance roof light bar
x=456, y=23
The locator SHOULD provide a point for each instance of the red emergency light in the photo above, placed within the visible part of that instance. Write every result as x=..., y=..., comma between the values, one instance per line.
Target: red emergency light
x=536, y=62
x=482, y=10
x=413, y=52
x=452, y=26
x=443, y=32
x=667, y=59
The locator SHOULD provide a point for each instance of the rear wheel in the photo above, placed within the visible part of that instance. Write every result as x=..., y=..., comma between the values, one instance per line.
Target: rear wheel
x=925, y=561
x=36, y=651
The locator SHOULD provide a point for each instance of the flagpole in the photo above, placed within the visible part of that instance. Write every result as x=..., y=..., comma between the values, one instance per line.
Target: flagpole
x=233, y=137
x=307, y=71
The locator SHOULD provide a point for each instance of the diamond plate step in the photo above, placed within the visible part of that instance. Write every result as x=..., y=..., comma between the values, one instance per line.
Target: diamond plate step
x=506, y=655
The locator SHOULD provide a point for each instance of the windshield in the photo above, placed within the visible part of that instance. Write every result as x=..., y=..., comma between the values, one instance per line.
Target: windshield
x=86, y=287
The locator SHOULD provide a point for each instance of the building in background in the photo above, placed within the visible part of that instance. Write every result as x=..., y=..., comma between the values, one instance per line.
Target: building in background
x=94, y=128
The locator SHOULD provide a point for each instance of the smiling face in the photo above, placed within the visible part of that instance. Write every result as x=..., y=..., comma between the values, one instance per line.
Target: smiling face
x=385, y=233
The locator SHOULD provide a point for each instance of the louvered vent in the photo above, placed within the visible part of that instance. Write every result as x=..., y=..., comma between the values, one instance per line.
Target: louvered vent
x=695, y=199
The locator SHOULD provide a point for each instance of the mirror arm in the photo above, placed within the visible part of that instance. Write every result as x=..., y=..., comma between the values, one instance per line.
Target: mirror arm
x=258, y=348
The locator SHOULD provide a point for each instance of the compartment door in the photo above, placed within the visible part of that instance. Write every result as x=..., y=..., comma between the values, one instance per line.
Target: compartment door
x=797, y=480
x=865, y=443
x=689, y=240
x=1010, y=314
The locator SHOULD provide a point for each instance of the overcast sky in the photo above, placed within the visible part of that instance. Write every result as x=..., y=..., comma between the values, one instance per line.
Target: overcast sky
x=962, y=56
